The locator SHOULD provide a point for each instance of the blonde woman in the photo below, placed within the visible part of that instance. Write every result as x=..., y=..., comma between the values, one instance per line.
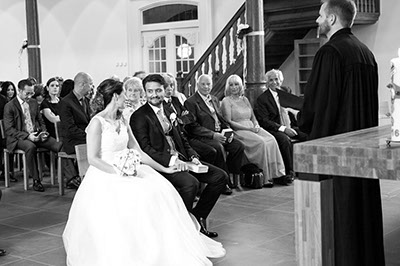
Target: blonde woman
x=261, y=147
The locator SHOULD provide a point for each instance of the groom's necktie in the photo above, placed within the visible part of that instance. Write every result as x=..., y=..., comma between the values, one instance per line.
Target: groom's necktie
x=167, y=127
x=28, y=120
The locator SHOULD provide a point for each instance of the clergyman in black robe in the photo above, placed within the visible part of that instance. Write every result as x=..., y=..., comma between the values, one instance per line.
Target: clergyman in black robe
x=341, y=96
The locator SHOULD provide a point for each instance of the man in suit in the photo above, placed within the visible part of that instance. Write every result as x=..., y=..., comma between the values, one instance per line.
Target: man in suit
x=22, y=123
x=206, y=152
x=173, y=104
x=208, y=125
x=159, y=135
x=75, y=116
x=273, y=116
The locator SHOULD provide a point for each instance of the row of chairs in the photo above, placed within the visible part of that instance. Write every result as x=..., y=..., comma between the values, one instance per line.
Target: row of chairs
x=80, y=157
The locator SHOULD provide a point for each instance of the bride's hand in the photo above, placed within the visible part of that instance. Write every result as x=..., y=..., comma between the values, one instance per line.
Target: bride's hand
x=172, y=169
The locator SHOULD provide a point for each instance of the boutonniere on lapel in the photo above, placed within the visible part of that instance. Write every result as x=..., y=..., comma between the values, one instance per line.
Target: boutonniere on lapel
x=173, y=119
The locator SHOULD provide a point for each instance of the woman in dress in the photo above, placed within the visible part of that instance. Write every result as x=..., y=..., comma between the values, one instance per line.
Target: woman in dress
x=8, y=90
x=49, y=106
x=134, y=93
x=128, y=219
x=261, y=147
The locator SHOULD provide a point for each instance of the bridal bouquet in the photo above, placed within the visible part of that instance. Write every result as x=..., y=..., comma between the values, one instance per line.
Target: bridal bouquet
x=126, y=162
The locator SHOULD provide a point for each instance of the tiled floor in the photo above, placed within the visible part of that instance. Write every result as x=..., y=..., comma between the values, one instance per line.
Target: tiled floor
x=255, y=226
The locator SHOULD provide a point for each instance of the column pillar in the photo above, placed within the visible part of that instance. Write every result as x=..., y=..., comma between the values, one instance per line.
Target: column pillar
x=254, y=67
x=32, y=25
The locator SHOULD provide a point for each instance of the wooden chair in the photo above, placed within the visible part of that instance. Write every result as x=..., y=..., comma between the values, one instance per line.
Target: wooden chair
x=61, y=155
x=6, y=152
x=82, y=160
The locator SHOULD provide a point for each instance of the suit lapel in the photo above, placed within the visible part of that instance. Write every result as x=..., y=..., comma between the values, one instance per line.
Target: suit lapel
x=153, y=117
x=272, y=101
x=80, y=107
x=202, y=105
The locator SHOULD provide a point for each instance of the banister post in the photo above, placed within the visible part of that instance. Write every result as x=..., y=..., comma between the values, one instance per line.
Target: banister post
x=254, y=67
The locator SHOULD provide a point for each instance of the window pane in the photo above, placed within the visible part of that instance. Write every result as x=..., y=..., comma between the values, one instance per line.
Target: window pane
x=163, y=41
x=178, y=66
x=185, y=66
x=151, y=68
x=177, y=40
x=157, y=54
x=157, y=43
x=157, y=68
x=163, y=54
x=151, y=54
x=163, y=67
x=170, y=13
x=191, y=64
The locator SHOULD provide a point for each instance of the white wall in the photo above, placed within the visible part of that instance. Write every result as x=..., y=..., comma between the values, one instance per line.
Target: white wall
x=73, y=38
x=222, y=12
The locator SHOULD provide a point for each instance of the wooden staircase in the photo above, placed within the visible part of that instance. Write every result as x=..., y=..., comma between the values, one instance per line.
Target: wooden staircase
x=284, y=22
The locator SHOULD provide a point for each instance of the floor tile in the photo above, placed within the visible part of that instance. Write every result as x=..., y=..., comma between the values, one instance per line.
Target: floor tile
x=53, y=257
x=29, y=244
x=8, y=231
x=36, y=220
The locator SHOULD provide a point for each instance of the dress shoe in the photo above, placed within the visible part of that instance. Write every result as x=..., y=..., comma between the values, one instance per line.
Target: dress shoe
x=283, y=180
x=37, y=186
x=74, y=182
x=269, y=184
x=203, y=229
x=227, y=191
x=3, y=252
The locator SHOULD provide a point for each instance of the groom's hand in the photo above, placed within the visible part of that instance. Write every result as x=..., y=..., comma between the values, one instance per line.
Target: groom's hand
x=181, y=165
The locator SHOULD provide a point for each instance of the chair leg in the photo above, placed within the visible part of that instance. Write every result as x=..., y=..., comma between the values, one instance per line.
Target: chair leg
x=25, y=169
x=52, y=168
x=6, y=170
x=39, y=165
x=60, y=177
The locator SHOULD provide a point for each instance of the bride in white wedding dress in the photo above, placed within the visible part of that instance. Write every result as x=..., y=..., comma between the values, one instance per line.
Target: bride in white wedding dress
x=118, y=219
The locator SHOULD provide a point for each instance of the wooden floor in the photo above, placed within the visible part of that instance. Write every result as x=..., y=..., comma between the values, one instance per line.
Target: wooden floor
x=255, y=226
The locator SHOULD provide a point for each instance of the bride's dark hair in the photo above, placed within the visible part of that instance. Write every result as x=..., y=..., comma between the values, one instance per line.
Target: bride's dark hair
x=104, y=94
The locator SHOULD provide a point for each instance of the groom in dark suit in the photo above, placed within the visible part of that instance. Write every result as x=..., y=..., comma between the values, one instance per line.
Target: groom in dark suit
x=159, y=135
x=75, y=116
x=22, y=123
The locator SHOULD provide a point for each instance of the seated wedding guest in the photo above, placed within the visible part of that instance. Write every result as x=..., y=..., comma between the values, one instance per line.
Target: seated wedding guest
x=38, y=95
x=23, y=123
x=274, y=118
x=134, y=92
x=3, y=101
x=8, y=90
x=206, y=152
x=128, y=214
x=208, y=125
x=49, y=106
x=160, y=137
x=174, y=87
x=260, y=146
x=66, y=87
x=74, y=113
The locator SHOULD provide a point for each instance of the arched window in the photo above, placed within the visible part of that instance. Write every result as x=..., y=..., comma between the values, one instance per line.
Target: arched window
x=169, y=13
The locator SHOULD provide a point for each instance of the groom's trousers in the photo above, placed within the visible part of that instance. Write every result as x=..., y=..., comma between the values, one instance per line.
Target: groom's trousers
x=187, y=184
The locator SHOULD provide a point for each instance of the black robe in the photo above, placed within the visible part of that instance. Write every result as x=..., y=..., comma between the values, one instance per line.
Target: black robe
x=341, y=96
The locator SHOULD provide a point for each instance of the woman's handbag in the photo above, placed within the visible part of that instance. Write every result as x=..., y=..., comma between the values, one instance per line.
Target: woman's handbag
x=251, y=176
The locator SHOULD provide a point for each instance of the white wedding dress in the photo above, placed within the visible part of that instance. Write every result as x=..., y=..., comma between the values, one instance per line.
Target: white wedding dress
x=138, y=220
